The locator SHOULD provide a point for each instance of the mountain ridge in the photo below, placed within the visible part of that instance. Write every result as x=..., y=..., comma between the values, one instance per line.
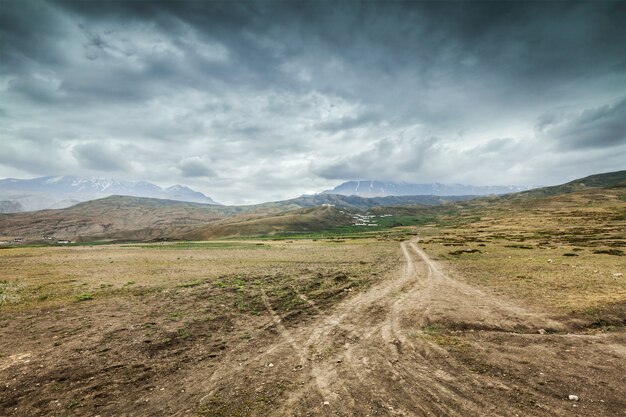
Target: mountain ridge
x=139, y=218
x=64, y=191
x=376, y=188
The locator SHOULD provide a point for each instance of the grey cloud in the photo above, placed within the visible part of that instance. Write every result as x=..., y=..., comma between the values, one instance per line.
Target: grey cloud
x=195, y=167
x=294, y=95
x=350, y=122
x=100, y=157
x=598, y=127
x=389, y=158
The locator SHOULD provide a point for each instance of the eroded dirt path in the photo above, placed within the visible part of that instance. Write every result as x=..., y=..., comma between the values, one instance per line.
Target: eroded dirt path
x=423, y=343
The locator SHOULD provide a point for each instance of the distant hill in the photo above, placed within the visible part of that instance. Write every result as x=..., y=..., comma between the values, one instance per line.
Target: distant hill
x=10, y=207
x=65, y=191
x=373, y=188
x=116, y=217
x=606, y=180
x=309, y=219
x=139, y=218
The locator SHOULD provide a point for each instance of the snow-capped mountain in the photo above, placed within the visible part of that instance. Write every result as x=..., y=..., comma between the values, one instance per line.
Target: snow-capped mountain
x=65, y=191
x=372, y=188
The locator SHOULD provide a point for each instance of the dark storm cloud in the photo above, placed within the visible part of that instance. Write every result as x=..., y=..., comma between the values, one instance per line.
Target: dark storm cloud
x=600, y=127
x=261, y=96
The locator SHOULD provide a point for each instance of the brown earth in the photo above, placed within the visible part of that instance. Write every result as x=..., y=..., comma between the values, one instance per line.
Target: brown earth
x=417, y=343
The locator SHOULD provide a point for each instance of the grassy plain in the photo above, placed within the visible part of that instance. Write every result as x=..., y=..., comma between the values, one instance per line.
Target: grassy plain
x=565, y=254
x=79, y=325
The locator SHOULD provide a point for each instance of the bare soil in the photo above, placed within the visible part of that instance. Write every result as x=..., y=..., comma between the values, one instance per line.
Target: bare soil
x=417, y=342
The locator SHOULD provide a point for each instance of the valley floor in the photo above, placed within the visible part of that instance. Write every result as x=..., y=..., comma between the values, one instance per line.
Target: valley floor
x=305, y=328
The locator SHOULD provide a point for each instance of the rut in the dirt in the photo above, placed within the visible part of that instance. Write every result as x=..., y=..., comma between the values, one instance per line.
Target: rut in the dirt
x=371, y=355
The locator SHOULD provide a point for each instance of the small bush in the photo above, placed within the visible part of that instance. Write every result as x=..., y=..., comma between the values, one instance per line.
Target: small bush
x=462, y=251
x=616, y=252
x=84, y=297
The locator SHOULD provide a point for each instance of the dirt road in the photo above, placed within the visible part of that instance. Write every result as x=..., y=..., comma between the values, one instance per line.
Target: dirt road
x=423, y=343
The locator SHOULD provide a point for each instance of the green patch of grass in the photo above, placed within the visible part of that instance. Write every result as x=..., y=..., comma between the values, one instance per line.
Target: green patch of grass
x=72, y=404
x=432, y=329
x=183, y=333
x=434, y=333
x=84, y=297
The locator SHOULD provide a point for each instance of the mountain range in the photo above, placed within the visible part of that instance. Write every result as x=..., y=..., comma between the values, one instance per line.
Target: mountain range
x=56, y=192
x=373, y=188
x=138, y=218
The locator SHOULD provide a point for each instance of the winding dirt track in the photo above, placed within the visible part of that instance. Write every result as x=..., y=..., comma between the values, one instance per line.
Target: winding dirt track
x=370, y=356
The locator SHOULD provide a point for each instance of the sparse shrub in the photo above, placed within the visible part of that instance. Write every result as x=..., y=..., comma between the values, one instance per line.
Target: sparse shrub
x=84, y=297
x=189, y=284
x=462, y=251
x=570, y=254
x=183, y=333
x=519, y=246
x=616, y=252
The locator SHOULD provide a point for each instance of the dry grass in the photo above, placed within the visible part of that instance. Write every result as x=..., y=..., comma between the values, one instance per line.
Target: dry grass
x=53, y=276
x=561, y=254
x=94, y=320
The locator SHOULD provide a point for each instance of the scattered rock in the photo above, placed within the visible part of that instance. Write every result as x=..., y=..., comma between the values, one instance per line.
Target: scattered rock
x=617, y=275
x=326, y=403
x=541, y=331
x=573, y=397
x=271, y=365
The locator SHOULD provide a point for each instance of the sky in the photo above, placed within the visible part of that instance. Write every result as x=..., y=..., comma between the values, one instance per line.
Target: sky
x=253, y=101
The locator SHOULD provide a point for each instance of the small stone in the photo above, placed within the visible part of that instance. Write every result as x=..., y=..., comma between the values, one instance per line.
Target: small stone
x=573, y=397
x=271, y=365
x=541, y=331
x=326, y=403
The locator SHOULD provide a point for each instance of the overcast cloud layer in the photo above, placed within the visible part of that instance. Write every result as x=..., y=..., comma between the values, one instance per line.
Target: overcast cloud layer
x=255, y=101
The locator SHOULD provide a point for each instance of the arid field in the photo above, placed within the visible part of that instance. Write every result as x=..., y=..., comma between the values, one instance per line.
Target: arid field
x=117, y=329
